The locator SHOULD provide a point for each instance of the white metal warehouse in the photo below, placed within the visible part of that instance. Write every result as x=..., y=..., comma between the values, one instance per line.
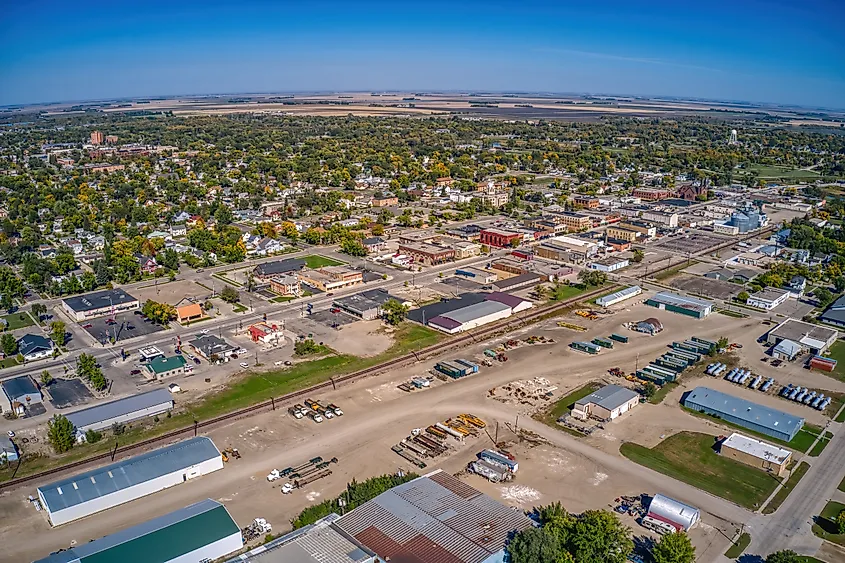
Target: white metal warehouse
x=131, y=408
x=677, y=514
x=99, y=489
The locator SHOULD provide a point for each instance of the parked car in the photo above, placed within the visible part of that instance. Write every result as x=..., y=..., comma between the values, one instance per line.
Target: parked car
x=137, y=313
x=130, y=327
x=242, y=351
x=244, y=365
x=11, y=433
x=233, y=356
x=197, y=360
x=87, y=325
x=135, y=372
x=204, y=331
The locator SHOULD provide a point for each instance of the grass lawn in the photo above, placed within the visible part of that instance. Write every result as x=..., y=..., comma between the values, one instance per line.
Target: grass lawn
x=689, y=457
x=195, y=321
x=8, y=362
x=825, y=526
x=239, y=308
x=563, y=406
x=817, y=449
x=564, y=292
x=842, y=485
x=18, y=320
x=666, y=274
x=837, y=352
x=318, y=261
x=282, y=299
x=787, y=488
x=734, y=314
x=736, y=549
x=251, y=388
x=224, y=279
x=662, y=392
x=801, y=442
x=765, y=171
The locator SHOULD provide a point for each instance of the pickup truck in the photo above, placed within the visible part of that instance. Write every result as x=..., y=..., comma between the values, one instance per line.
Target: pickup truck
x=335, y=409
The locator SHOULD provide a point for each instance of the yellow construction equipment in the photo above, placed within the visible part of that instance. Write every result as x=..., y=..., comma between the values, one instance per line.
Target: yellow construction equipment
x=587, y=315
x=571, y=326
x=473, y=420
x=457, y=426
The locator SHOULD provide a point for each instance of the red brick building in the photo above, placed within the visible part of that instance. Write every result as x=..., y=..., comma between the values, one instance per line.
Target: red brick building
x=650, y=194
x=499, y=237
x=429, y=254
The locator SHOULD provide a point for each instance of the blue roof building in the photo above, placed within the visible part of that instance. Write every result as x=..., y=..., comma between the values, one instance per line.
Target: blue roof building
x=759, y=418
x=120, y=411
x=105, y=487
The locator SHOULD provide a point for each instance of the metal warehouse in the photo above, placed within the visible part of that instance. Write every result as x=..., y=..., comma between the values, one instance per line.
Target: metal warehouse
x=204, y=531
x=99, y=489
x=619, y=296
x=367, y=304
x=320, y=542
x=607, y=403
x=698, y=308
x=120, y=411
x=434, y=518
x=759, y=418
x=677, y=514
x=468, y=318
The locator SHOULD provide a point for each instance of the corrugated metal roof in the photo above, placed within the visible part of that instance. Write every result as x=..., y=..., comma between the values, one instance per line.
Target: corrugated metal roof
x=127, y=405
x=127, y=473
x=609, y=397
x=744, y=410
x=684, y=301
x=161, y=539
x=674, y=511
x=477, y=311
x=434, y=519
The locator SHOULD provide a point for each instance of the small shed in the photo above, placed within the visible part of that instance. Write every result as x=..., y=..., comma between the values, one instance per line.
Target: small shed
x=786, y=350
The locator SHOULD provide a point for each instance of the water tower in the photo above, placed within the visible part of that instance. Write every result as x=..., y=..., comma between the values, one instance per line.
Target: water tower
x=733, y=140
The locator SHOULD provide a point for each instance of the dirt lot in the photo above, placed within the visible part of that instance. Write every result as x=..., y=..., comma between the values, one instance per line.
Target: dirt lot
x=171, y=292
x=706, y=287
x=379, y=415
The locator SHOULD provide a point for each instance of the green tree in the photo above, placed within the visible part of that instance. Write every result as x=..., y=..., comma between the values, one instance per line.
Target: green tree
x=592, y=277
x=9, y=344
x=39, y=310
x=674, y=548
x=353, y=247
x=92, y=436
x=305, y=347
x=541, y=292
x=638, y=256
x=57, y=332
x=229, y=294
x=538, y=545
x=160, y=313
x=46, y=378
x=823, y=296
x=785, y=556
x=223, y=215
x=840, y=521
x=742, y=297
x=393, y=312
x=599, y=536
x=839, y=283
x=98, y=381
x=649, y=390
x=61, y=433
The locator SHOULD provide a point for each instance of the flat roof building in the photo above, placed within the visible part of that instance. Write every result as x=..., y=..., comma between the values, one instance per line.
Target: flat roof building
x=321, y=542
x=424, y=253
x=756, y=453
x=109, y=486
x=200, y=532
x=135, y=407
x=759, y=418
x=619, y=296
x=208, y=345
x=99, y=304
x=813, y=338
x=367, y=304
x=267, y=270
x=690, y=306
x=162, y=367
x=607, y=403
x=835, y=313
x=767, y=299
x=433, y=519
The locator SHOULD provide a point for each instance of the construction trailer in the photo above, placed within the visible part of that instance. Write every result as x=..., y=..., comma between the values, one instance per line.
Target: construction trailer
x=709, y=343
x=454, y=370
x=691, y=357
x=587, y=347
x=603, y=342
x=473, y=368
x=653, y=377
x=667, y=373
x=822, y=363
x=500, y=459
x=619, y=338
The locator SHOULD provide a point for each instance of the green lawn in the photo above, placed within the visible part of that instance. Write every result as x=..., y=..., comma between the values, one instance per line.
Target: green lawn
x=238, y=307
x=734, y=314
x=736, y=549
x=825, y=526
x=771, y=172
x=674, y=270
x=787, y=488
x=563, y=405
x=689, y=457
x=817, y=449
x=801, y=442
x=8, y=362
x=842, y=485
x=318, y=261
x=563, y=292
x=282, y=299
x=18, y=320
x=837, y=352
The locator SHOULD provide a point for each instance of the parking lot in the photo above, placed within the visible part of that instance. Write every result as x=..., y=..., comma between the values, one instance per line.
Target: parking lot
x=102, y=331
x=65, y=393
x=329, y=319
x=699, y=285
x=692, y=243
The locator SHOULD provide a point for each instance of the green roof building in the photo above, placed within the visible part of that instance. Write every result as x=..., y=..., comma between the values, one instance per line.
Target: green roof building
x=201, y=532
x=162, y=367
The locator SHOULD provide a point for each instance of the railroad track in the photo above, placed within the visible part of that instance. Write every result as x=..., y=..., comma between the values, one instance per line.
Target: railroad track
x=412, y=357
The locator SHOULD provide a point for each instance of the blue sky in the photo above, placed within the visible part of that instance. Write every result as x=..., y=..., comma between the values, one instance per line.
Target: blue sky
x=773, y=51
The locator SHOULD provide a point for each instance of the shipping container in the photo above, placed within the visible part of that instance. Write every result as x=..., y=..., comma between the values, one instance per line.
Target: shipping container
x=604, y=343
x=471, y=367
x=619, y=338
x=585, y=347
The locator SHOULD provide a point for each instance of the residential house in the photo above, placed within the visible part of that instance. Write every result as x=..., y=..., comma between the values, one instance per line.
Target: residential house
x=267, y=246
x=35, y=347
x=374, y=244
x=178, y=230
x=210, y=346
